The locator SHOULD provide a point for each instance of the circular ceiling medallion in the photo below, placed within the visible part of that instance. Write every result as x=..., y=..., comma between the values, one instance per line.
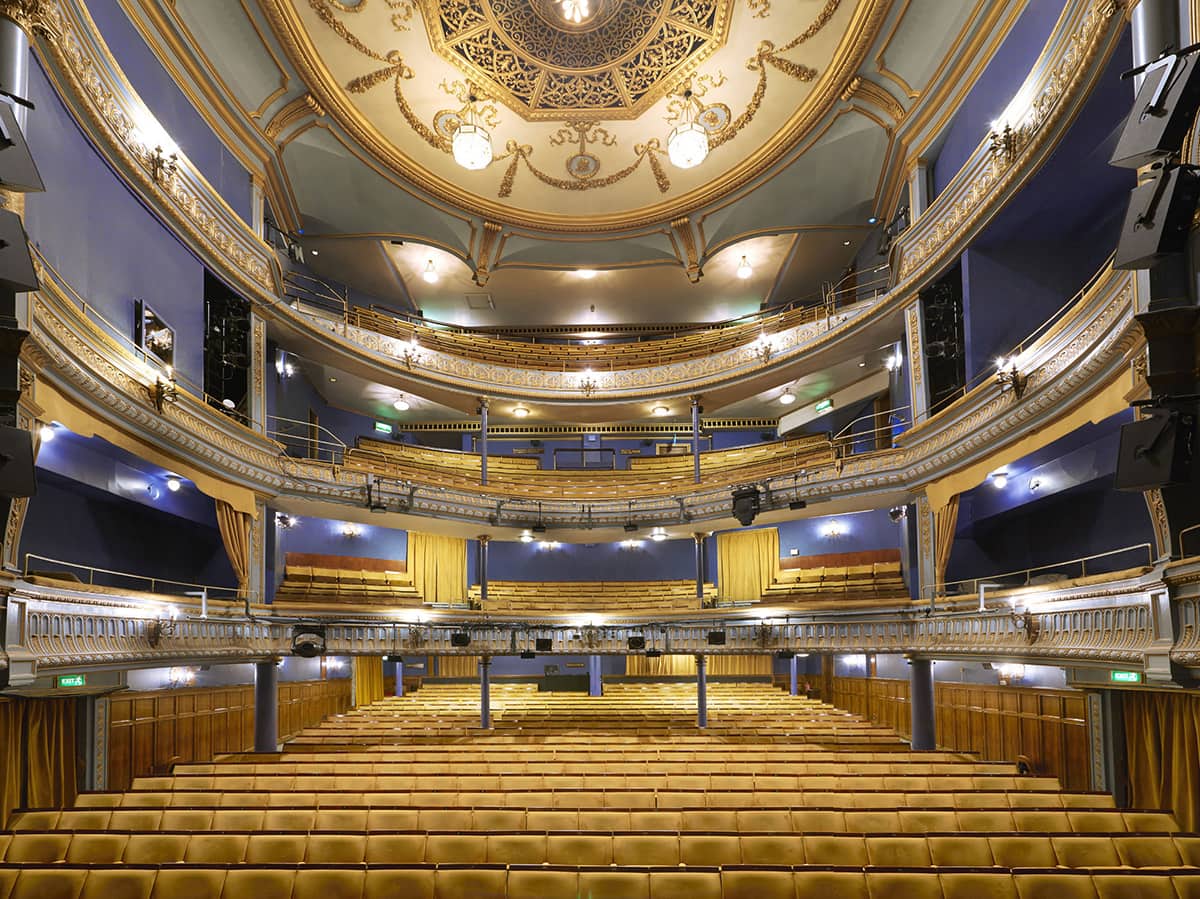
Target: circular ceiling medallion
x=615, y=64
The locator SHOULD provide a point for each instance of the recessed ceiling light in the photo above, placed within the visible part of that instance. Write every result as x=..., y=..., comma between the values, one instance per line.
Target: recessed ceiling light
x=745, y=270
x=586, y=273
x=520, y=411
x=862, y=365
x=47, y=433
x=314, y=252
x=401, y=405
x=431, y=273
x=173, y=484
x=845, y=243
x=787, y=397
x=872, y=221
x=333, y=380
x=662, y=411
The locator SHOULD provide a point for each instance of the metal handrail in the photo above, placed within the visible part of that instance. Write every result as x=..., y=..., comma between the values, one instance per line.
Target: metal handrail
x=1027, y=573
x=874, y=415
x=337, y=446
x=154, y=582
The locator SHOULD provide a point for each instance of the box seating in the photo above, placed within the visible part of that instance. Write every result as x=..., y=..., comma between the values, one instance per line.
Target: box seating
x=307, y=583
x=880, y=580
x=408, y=798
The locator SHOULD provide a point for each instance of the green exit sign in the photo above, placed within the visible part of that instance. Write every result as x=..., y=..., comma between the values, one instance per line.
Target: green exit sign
x=72, y=680
x=823, y=406
x=1125, y=677
x=382, y=428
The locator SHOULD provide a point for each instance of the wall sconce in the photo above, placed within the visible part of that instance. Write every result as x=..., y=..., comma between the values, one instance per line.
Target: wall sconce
x=285, y=522
x=179, y=677
x=411, y=353
x=763, y=348
x=833, y=529
x=631, y=544
x=350, y=531
x=1008, y=376
x=658, y=535
x=163, y=165
x=999, y=479
x=1028, y=622
x=893, y=362
x=164, y=391
x=1010, y=673
x=549, y=544
x=157, y=628
x=587, y=384
x=1003, y=143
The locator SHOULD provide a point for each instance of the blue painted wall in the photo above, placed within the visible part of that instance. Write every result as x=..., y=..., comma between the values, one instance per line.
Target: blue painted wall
x=995, y=88
x=516, y=561
x=98, y=236
x=108, y=531
x=292, y=398
x=171, y=108
x=863, y=532
x=322, y=535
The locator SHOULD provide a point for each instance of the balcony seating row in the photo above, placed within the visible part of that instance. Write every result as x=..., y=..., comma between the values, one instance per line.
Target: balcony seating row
x=824, y=583
x=311, y=584
x=608, y=597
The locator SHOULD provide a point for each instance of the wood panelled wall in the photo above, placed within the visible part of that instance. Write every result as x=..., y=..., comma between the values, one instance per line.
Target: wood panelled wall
x=150, y=731
x=999, y=723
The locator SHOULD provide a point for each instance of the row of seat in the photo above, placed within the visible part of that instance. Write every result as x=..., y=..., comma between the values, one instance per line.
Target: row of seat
x=546, y=882
x=564, y=597
x=589, y=848
x=297, y=818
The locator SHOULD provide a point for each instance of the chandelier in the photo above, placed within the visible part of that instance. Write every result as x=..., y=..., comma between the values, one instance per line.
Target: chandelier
x=472, y=144
x=687, y=145
x=576, y=11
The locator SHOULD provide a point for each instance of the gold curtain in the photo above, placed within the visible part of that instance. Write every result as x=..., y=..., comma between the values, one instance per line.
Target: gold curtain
x=438, y=566
x=945, y=520
x=756, y=665
x=663, y=666
x=368, y=680
x=747, y=563
x=47, y=768
x=235, y=533
x=458, y=666
x=1162, y=741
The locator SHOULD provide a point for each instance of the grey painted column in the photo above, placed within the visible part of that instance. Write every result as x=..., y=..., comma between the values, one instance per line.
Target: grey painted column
x=266, y=706
x=483, y=435
x=701, y=691
x=696, y=410
x=699, y=538
x=399, y=677
x=481, y=568
x=485, y=691
x=924, y=734
x=795, y=676
x=595, y=682
x=14, y=66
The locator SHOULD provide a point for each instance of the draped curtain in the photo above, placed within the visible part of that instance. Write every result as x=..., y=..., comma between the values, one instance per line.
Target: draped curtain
x=37, y=754
x=663, y=666
x=235, y=534
x=747, y=562
x=945, y=520
x=438, y=566
x=368, y=680
x=1162, y=741
x=744, y=666
x=458, y=666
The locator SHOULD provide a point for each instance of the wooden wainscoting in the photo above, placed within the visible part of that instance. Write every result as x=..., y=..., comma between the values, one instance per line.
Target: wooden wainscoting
x=999, y=723
x=150, y=731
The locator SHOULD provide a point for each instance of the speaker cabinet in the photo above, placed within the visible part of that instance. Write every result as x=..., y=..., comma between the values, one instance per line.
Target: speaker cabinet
x=1158, y=218
x=1162, y=113
x=1156, y=451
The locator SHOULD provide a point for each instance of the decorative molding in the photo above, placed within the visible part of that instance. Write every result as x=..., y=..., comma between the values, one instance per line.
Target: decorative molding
x=682, y=228
x=487, y=255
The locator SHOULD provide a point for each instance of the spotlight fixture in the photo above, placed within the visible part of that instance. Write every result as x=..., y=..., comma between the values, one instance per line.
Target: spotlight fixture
x=173, y=483
x=543, y=644
x=402, y=405
x=716, y=638
x=460, y=639
x=472, y=144
x=529, y=654
x=653, y=653
x=1009, y=376
x=746, y=501
x=785, y=654
x=661, y=411
x=787, y=397
x=631, y=527
x=798, y=504
x=308, y=640
x=687, y=144
x=745, y=270
x=636, y=642
x=897, y=513
x=1000, y=479
x=285, y=522
x=520, y=411
x=47, y=433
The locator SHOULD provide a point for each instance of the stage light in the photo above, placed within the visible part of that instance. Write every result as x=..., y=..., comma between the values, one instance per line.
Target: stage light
x=308, y=640
x=746, y=502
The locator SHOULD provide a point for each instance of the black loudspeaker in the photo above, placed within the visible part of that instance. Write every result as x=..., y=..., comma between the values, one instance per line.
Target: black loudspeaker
x=460, y=638
x=1156, y=451
x=1158, y=217
x=16, y=463
x=1162, y=113
x=716, y=638
x=637, y=642
x=543, y=644
x=16, y=265
x=746, y=503
x=654, y=653
x=17, y=170
x=529, y=654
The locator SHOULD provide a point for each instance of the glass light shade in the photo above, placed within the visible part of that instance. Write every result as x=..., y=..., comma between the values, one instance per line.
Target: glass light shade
x=745, y=270
x=662, y=411
x=431, y=273
x=787, y=398
x=472, y=146
x=401, y=405
x=520, y=411
x=687, y=145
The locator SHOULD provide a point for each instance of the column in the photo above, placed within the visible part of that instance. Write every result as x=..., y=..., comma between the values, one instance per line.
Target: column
x=481, y=568
x=399, y=676
x=14, y=66
x=256, y=582
x=266, y=706
x=794, y=672
x=924, y=735
x=918, y=387
x=696, y=410
x=256, y=405
x=701, y=691
x=595, y=682
x=918, y=188
x=1106, y=732
x=483, y=434
x=699, y=538
x=926, y=563
x=485, y=692
x=257, y=206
